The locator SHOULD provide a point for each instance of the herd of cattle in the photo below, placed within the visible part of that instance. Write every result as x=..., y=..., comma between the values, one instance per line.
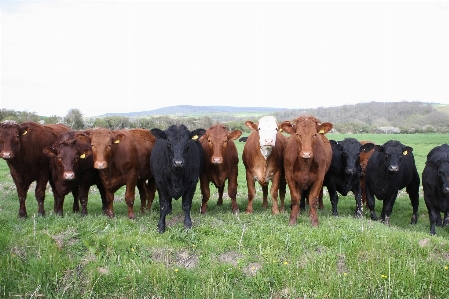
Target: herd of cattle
x=172, y=161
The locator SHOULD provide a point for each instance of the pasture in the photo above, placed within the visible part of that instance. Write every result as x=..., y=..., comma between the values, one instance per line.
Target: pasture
x=223, y=255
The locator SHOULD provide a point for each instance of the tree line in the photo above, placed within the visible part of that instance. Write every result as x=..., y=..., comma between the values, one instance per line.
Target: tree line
x=373, y=117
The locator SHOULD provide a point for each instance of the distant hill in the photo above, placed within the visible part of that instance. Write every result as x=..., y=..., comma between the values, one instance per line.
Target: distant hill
x=198, y=110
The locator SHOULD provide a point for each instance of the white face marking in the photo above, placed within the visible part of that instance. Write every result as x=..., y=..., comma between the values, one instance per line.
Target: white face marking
x=267, y=132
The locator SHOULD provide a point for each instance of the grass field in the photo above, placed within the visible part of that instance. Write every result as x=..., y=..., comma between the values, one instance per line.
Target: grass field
x=223, y=255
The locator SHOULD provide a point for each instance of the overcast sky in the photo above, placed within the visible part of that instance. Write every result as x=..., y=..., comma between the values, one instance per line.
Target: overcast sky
x=125, y=56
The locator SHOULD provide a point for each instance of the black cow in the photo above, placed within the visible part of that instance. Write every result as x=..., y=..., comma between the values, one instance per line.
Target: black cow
x=435, y=181
x=176, y=163
x=390, y=168
x=345, y=171
x=243, y=139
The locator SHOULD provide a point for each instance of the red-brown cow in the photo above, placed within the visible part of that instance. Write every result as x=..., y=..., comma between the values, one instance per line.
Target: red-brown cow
x=364, y=156
x=123, y=158
x=220, y=164
x=307, y=157
x=73, y=171
x=263, y=159
x=21, y=145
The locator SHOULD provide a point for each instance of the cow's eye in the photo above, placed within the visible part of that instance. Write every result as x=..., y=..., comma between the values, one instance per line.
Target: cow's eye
x=440, y=173
x=225, y=141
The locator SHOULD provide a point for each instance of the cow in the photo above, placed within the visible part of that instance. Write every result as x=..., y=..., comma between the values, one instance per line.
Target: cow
x=390, y=168
x=243, y=139
x=435, y=182
x=73, y=171
x=307, y=157
x=21, y=146
x=176, y=163
x=122, y=158
x=263, y=156
x=364, y=156
x=220, y=164
x=345, y=171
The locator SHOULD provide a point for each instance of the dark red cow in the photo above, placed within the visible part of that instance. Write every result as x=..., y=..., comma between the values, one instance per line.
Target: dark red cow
x=220, y=164
x=263, y=159
x=21, y=146
x=73, y=171
x=123, y=158
x=364, y=156
x=307, y=157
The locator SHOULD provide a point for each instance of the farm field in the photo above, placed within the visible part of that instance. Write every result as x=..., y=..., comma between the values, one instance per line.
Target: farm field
x=223, y=255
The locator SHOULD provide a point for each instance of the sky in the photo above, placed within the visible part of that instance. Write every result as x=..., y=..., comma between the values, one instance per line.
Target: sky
x=127, y=56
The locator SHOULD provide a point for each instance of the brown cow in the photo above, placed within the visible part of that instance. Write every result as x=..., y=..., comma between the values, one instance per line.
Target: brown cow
x=307, y=157
x=123, y=158
x=21, y=145
x=73, y=171
x=220, y=164
x=263, y=159
x=364, y=156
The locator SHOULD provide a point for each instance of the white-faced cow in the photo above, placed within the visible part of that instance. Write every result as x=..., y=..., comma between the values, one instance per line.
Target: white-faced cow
x=390, y=168
x=21, y=146
x=220, y=164
x=435, y=181
x=263, y=156
x=307, y=157
x=176, y=162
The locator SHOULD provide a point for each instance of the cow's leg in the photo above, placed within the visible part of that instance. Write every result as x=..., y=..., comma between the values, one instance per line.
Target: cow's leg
x=104, y=199
x=220, y=194
x=143, y=194
x=370, y=201
x=320, y=200
x=82, y=197
x=232, y=190
x=282, y=191
x=274, y=194
x=358, y=200
x=164, y=203
x=205, y=193
x=250, y=183
x=76, y=201
x=446, y=218
x=110, y=203
x=295, y=194
x=129, y=198
x=363, y=189
x=41, y=186
x=387, y=208
x=314, y=194
x=433, y=214
x=151, y=192
x=333, y=197
x=304, y=196
x=187, y=206
x=265, y=196
x=413, y=192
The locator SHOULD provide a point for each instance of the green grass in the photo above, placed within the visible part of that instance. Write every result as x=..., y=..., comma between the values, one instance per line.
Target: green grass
x=223, y=255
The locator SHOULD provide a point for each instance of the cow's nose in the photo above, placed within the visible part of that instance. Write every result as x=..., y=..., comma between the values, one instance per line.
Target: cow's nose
x=178, y=163
x=6, y=155
x=269, y=141
x=217, y=160
x=393, y=168
x=69, y=175
x=446, y=190
x=100, y=164
x=350, y=170
x=306, y=155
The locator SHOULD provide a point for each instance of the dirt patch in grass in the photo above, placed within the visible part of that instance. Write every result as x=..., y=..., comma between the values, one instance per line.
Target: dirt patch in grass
x=252, y=269
x=68, y=237
x=170, y=257
x=230, y=257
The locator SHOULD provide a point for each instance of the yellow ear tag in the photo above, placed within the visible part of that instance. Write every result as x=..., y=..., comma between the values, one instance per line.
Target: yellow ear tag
x=280, y=130
x=117, y=141
x=24, y=133
x=321, y=131
x=82, y=156
x=404, y=153
x=195, y=137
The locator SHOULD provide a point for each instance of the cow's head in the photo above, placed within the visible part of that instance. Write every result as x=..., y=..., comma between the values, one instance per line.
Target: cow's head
x=305, y=130
x=349, y=150
x=442, y=166
x=177, y=140
x=67, y=154
x=393, y=151
x=217, y=138
x=11, y=136
x=267, y=129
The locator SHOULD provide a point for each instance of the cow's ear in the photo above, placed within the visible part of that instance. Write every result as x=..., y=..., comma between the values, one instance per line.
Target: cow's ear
x=197, y=134
x=332, y=141
x=50, y=151
x=158, y=133
x=119, y=138
x=82, y=137
x=407, y=150
x=252, y=126
x=85, y=154
x=379, y=148
x=324, y=128
x=287, y=127
x=234, y=135
x=24, y=129
x=366, y=147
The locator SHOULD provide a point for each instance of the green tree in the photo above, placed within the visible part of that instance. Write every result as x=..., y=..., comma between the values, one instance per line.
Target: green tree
x=74, y=119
